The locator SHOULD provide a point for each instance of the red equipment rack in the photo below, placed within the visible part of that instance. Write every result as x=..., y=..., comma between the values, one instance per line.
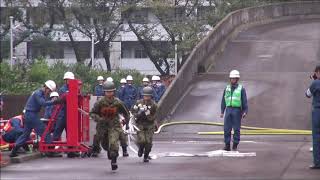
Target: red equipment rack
x=77, y=123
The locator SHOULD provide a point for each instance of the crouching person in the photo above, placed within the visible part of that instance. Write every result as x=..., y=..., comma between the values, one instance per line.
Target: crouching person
x=144, y=111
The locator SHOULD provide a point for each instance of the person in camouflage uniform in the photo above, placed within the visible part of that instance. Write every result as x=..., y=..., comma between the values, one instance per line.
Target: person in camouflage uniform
x=144, y=111
x=107, y=110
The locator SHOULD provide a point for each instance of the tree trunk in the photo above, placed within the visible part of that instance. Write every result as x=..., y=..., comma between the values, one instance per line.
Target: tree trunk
x=104, y=47
x=75, y=48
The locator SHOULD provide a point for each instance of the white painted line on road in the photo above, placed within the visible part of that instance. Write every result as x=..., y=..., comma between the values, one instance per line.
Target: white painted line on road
x=217, y=153
x=265, y=56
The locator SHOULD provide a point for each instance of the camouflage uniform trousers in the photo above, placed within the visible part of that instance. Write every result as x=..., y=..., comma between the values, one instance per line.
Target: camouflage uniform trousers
x=101, y=137
x=145, y=136
x=114, y=136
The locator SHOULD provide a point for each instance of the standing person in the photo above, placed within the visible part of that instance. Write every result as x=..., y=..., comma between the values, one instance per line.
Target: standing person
x=158, y=87
x=123, y=83
x=98, y=90
x=145, y=83
x=234, y=104
x=61, y=123
x=32, y=119
x=107, y=110
x=129, y=93
x=314, y=91
x=144, y=111
x=48, y=109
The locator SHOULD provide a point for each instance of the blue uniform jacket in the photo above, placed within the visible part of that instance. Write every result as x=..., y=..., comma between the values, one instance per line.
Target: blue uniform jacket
x=98, y=90
x=36, y=100
x=244, y=101
x=159, y=91
x=62, y=90
x=315, y=91
x=129, y=95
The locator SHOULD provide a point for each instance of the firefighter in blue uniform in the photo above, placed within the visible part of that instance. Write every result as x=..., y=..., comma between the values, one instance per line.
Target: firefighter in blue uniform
x=158, y=87
x=98, y=90
x=32, y=119
x=61, y=123
x=314, y=91
x=129, y=93
x=13, y=128
x=123, y=83
x=234, y=105
x=48, y=109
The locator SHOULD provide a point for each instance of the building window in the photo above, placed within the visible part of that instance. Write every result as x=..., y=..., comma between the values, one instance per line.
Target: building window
x=57, y=52
x=140, y=53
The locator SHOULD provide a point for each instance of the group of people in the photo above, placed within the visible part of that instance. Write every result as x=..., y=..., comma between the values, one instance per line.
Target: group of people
x=129, y=93
x=20, y=127
x=112, y=112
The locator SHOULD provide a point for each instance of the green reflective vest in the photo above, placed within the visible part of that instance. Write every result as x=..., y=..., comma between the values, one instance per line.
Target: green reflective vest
x=233, y=99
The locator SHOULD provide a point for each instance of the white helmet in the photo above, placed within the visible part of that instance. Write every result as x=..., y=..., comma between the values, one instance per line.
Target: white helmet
x=234, y=74
x=155, y=78
x=145, y=80
x=68, y=75
x=123, y=81
x=110, y=79
x=129, y=78
x=51, y=85
x=100, y=78
x=54, y=94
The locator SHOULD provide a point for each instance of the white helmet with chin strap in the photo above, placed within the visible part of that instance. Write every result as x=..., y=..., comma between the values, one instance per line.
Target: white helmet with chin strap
x=54, y=94
x=100, y=78
x=123, y=81
x=68, y=75
x=110, y=79
x=234, y=74
x=51, y=85
x=129, y=78
x=145, y=80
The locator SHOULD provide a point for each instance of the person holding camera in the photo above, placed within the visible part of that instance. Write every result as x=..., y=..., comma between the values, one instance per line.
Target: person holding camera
x=314, y=91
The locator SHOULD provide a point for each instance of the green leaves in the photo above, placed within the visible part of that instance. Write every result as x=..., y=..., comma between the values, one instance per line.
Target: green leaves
x=24, y=78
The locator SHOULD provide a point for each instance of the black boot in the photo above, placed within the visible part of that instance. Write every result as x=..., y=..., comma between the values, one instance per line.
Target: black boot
x=14, y=152
x=109, y=156
x=124, y=151
x=140, y=152
x=26, y=147
x=114, y=165
x=227, y=147
x=146, y=157
x=73, y=154
x=235, y=146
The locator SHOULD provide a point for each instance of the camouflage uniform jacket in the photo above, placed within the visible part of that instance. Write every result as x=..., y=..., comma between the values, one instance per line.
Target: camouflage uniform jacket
x=108, y=110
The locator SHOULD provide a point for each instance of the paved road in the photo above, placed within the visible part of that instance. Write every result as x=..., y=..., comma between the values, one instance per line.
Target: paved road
x=275, y=61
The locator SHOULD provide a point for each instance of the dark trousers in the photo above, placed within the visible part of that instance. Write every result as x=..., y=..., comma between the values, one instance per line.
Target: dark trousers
x=232, y=120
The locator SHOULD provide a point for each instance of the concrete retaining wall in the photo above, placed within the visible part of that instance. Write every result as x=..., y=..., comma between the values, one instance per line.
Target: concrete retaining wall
x=204, y=54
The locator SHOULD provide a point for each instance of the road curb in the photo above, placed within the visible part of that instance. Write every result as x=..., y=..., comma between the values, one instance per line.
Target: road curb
x=21, y=158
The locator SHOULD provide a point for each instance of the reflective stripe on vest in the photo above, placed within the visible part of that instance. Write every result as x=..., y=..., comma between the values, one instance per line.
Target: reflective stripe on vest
x=233, y=99
x=8, y=126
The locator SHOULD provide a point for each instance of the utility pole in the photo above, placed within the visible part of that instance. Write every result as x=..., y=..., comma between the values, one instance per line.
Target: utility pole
x=11, y=42
x=92, y=50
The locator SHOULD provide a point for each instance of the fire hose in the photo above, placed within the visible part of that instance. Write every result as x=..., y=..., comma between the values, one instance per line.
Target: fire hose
x=247, y=130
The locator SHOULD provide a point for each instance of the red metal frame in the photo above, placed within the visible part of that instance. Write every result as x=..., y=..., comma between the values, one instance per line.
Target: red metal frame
x=77, y=123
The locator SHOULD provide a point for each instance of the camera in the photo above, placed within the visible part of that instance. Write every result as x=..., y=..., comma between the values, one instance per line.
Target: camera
x=314, y=76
